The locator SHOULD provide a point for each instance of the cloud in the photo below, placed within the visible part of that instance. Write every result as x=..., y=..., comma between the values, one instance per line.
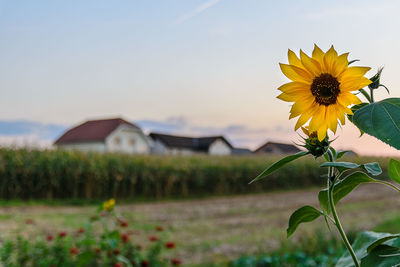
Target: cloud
x=170, y=125
x=29, y=133
x=196, y=11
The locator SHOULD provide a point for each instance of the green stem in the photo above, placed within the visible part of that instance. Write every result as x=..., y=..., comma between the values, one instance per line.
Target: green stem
x=366, y=95
x=372, y=95
x=331, y=184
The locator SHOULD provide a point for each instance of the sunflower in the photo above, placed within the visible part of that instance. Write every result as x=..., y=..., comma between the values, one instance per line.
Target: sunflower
x=321, y=88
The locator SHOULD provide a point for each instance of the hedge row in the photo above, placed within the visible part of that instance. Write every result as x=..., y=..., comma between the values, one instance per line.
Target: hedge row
x=34, y=174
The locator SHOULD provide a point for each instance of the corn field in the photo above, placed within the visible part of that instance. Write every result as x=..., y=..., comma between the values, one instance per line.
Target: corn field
x=57, y=174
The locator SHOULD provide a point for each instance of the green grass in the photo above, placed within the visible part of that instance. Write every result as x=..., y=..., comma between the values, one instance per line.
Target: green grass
x=219, y=229
x=391, y=225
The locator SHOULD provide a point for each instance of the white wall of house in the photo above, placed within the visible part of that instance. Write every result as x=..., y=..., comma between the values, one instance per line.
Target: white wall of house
x=127, y=139
x=159, y=148
x=219, y=147
x=85, y=147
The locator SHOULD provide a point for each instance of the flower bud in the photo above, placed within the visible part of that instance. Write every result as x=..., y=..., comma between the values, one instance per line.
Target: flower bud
x=313, y=145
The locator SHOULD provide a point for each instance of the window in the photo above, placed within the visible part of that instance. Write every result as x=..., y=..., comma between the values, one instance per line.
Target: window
x=117, y=141
x=132, y=141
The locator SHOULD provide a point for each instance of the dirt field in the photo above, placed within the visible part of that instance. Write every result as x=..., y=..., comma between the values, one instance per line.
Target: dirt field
x=218, y=228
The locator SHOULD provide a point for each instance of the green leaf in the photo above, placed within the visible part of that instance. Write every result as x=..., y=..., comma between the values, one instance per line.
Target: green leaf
x=372, y=168
x=302, y=215
x=341, y=153
x=360, y=245
x=340, y=166
x=352, y=61
x=343, y=188
x=381, y=241
x=382, y=256
x=357, y=107
x=394, y=170
x=279, y=164
x=381, y=120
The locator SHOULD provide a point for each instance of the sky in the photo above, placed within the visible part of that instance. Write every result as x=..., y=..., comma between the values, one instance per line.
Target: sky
x=188, y=67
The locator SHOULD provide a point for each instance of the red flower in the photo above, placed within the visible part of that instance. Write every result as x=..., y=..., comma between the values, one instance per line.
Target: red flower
x=123, y=224
x=160, y=228
x=118, y=264
x=153, y=238
x=125, y=238
x=49, y=237
x=97, y=250
x=116, y=251
x=145, y=263
x=62, y=234
x=29, y=221
x=81, y=230
x=170, y=245
x=73, y=251
x=176, y=262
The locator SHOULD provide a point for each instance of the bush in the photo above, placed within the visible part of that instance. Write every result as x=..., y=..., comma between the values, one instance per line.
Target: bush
x=112, y=246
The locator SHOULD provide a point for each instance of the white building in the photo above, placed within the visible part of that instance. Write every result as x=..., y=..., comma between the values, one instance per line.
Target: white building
x=164, y=144
x=109, y=135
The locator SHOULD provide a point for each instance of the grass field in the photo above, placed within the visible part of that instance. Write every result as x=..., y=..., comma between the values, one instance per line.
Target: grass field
x=219, y=229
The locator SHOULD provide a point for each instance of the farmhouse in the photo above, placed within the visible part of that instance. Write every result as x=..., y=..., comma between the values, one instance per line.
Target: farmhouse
x=271, y=148
x=179, y=145
x=109, y=135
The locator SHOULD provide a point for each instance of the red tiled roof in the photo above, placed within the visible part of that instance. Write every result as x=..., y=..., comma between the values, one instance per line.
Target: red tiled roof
x=96, y=130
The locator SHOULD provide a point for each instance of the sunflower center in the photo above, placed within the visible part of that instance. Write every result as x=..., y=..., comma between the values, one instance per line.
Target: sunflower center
x=325, y=89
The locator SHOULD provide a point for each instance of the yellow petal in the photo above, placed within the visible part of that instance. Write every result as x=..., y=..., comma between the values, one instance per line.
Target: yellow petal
x=310, y=64
x=293, y=87
x=340, y=113
x=300, y=107
x=294, y=97
x=350, y=98
x=286, y=97
x=318, y=119
x=318, y=54
x=354, y=72
x=322, y=133
x=293, y=59
x=329, y=59
x=340, y=65
x=332, y=118
x=295, y=73
x=303, y=119
x=354, y=84
x=344, y=109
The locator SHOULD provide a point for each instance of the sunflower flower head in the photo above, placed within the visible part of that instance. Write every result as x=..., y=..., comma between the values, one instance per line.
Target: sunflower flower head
x=109, y=204
x=320, y=88
x=311, y=143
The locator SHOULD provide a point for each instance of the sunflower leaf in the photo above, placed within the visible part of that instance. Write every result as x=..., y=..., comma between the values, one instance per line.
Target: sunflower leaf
x=394, y=170
x=279, y=164
x=343, y=188
x=381, y=120
x=381, y=241
x=372, y=168
x=341, y=153
x=360, y=245
x=302, y=215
